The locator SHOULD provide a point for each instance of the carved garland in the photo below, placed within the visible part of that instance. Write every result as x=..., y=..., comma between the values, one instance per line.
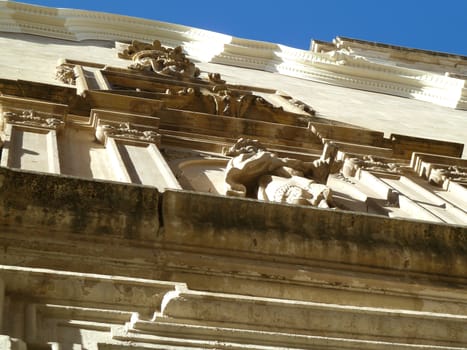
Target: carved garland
x=453, y=173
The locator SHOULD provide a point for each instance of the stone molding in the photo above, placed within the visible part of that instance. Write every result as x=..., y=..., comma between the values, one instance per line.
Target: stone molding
x=343, y=63
x=118, y=312
x=127, y=131
x=147, y=306
x=34, y=119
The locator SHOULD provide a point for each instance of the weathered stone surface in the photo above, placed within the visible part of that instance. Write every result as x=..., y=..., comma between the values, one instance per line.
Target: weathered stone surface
x=358, y=242
x=66, y=204
x=90, y=264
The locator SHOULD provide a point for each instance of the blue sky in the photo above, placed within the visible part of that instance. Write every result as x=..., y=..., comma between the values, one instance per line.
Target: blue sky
x=439, y=25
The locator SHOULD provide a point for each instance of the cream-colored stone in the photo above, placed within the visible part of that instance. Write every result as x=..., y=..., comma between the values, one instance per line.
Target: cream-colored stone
x=114, y=226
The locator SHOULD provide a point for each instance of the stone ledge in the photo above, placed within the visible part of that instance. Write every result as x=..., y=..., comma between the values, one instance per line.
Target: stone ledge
x=318, y=319
x=297, y=234
x=71, y=205
x=105, y=292
x=51, y=210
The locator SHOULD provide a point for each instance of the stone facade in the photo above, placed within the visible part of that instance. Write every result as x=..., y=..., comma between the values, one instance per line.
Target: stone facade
x=157, y=193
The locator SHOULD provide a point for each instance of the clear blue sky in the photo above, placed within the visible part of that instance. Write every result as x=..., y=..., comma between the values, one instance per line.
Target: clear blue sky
x=439, y=25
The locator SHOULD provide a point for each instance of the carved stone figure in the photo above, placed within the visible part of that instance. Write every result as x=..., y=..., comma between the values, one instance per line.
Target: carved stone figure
x=215, y=78
x=351, y=165
x=258, y=173
x=302, y=105
x=439, y=175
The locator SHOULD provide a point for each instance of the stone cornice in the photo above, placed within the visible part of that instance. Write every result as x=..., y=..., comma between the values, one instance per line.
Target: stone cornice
x=419, y=74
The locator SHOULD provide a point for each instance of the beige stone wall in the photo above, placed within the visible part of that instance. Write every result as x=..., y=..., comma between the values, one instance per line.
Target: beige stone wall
x=35, y=58
x=104, y=245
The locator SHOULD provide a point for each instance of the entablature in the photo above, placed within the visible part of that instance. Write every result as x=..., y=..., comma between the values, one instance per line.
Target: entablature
x=163, y=122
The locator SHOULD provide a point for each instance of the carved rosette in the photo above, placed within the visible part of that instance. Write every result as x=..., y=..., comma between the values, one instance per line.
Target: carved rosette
x=126, y=131
x=65, y=73
x=33, y=119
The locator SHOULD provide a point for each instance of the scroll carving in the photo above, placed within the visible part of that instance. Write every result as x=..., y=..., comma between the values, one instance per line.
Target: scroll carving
x=33, y=118
x=157, y=58
x=256, y=172
x=126, y=131
x=368, y=162
x=344, y=56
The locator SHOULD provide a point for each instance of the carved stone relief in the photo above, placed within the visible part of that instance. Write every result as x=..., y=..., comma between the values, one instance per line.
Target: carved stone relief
x=368, y=162
x=454, y=173
x=235, y=104
x=258, y=173
x=157, y=58
x=65, y=73
x=126, y=131
x=210, y=93
x=33, y=118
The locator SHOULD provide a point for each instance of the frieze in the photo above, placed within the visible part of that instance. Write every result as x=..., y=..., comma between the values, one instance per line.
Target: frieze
x=126, y=131
x=258, y=173
x=34, y=119
x=370, y=163
x=453, y=173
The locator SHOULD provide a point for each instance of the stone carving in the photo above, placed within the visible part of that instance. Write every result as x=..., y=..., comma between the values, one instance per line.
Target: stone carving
x=368, y=162
x=303, y=106
x=344, y=56
x=454, y=173
x=159, y=59
x=233, y=103
x=126, y=131
x=258, y=173
x=33, y=118
x=216, y=78
x=66, y=74
x=294, y=190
